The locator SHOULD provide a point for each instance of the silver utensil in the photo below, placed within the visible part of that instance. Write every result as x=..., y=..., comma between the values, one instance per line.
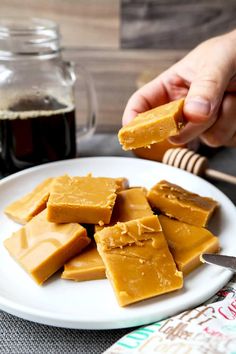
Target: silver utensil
x=228, y=262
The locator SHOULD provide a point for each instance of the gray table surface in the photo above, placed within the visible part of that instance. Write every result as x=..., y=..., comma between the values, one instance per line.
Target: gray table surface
x=21, y=336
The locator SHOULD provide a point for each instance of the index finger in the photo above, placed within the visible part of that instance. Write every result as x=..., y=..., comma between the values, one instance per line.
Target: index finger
x=151, y=95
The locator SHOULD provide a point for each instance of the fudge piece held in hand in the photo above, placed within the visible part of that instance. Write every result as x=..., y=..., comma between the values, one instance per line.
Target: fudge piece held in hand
x=153, y=126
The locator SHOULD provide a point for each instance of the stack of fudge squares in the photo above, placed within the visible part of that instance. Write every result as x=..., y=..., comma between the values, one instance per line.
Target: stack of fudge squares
x=97, y=227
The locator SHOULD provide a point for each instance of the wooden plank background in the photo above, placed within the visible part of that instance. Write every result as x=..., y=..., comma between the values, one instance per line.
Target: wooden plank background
x=120, y=40
x=175, y=24
x=83, y=23
x=116, y=74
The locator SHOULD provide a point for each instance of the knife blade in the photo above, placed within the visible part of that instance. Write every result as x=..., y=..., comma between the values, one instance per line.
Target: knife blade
x=228, y=262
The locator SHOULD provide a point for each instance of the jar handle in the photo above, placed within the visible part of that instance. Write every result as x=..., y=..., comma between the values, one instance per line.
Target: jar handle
x=89, y=127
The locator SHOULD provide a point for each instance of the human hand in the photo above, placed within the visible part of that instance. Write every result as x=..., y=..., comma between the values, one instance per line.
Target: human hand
x=206, y=77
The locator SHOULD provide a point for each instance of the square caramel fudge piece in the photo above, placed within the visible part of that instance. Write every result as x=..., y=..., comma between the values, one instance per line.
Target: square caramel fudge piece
x=187, y=242
x=25, y=208
x=130, y=204
x=42, y=247
x=137, y=259
x=180, y=204
x=88, y=200
x=153, y=126
x=88, y=265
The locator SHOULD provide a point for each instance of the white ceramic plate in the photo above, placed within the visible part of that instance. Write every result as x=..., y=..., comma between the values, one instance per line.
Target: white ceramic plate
x=92, y=304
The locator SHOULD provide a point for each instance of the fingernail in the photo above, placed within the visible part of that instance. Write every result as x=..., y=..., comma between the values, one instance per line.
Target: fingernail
x=175, y=140
x=198, y=105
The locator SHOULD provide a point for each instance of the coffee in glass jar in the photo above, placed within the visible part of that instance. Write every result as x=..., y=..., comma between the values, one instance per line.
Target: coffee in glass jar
x=36, y=130
x=38, y=120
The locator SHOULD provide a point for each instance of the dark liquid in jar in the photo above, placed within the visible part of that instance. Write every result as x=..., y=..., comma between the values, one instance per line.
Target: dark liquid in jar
x=34, y=131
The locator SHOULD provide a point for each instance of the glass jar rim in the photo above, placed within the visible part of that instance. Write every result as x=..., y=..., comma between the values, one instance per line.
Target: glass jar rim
x=31, y=36
x=13, y=25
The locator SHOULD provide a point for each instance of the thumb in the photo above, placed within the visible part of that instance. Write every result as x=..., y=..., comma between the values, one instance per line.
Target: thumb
x=205, y=95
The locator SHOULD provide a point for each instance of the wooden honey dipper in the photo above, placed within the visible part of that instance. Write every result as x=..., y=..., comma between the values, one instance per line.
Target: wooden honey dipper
x=189, y=161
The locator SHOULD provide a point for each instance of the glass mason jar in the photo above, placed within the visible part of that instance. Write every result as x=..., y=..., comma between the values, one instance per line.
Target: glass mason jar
x=37, y=96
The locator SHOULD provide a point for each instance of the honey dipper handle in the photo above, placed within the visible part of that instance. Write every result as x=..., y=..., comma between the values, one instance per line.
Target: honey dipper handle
x=220, y=176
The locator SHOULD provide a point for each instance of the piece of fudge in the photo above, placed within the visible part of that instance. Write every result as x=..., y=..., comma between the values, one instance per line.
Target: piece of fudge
x=42, y=247
x=122, y=183
x=156, y=151
x=88, y=200
x=130, y=204
x=178, y=203
x=88, y=265
x=25, y=208
x=187, y=242
x=152, y=126
x=138, y=262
